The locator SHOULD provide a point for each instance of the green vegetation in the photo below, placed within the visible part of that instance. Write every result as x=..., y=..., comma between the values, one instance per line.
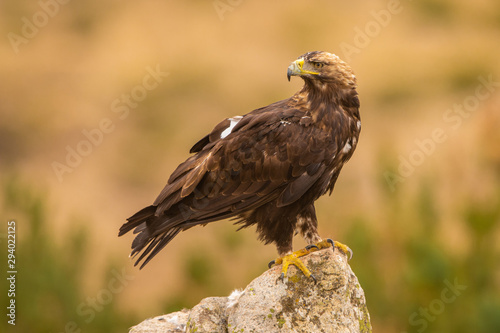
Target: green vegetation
x=49, y=281
x=427, y=285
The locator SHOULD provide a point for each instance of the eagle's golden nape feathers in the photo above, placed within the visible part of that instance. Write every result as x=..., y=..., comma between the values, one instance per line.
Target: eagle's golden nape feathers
x=265, y=168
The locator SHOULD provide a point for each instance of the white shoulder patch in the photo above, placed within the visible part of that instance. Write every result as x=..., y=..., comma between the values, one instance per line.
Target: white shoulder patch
x=233, y=123
x=359, y=124
x=347, y=148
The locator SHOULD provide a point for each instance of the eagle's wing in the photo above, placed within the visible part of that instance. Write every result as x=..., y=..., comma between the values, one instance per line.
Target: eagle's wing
x=268, y=154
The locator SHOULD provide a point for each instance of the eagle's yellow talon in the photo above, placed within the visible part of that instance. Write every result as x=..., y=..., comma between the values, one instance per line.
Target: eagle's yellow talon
x=293, y=259
x=275, y=262
x=325, y=244
x=312, y=248
x=344, y=249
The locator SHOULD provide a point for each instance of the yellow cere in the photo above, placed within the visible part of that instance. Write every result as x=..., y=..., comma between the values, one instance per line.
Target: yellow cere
x=300, y=64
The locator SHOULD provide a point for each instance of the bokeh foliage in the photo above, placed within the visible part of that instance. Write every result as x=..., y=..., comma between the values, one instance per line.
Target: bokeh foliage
x=50, y=273
x=413, y=280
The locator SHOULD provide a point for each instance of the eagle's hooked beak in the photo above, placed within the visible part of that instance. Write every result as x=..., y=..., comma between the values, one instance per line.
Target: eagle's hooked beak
x=295, y=68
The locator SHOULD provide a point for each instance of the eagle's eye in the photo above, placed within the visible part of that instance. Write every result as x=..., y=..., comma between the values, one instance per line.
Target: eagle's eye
x=318, y=65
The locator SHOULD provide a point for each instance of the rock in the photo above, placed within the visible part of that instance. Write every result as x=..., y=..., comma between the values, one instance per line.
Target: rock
x=335, y=304
x=173, y=322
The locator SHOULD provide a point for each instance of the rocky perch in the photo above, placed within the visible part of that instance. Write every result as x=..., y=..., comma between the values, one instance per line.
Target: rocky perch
x=335, y=304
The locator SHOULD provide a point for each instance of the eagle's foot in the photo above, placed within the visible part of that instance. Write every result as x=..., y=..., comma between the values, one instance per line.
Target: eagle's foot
x=293, y=259
x=342, y=247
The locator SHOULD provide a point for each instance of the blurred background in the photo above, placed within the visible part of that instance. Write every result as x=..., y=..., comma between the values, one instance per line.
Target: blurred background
x=101, y=100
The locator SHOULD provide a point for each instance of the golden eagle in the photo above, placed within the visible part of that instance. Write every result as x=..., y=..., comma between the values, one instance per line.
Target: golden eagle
x=265, y=168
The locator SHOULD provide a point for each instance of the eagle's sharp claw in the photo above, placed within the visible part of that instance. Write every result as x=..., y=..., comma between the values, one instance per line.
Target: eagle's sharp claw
x=350, y=253
x=312, y=246
x=280, y=278
x=344, y=249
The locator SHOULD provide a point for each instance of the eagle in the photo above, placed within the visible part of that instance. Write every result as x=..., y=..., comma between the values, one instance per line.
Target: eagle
x=265, y=168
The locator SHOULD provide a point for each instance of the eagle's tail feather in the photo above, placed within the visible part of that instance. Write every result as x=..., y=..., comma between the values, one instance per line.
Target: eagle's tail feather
x=137, y=219
x=154, y=245
x=147, y=242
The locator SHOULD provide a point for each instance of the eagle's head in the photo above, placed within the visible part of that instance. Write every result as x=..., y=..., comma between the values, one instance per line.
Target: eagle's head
x=319, y=67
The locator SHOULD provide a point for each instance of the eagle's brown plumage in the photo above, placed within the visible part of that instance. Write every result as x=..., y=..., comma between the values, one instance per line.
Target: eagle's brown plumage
x=265, y=168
